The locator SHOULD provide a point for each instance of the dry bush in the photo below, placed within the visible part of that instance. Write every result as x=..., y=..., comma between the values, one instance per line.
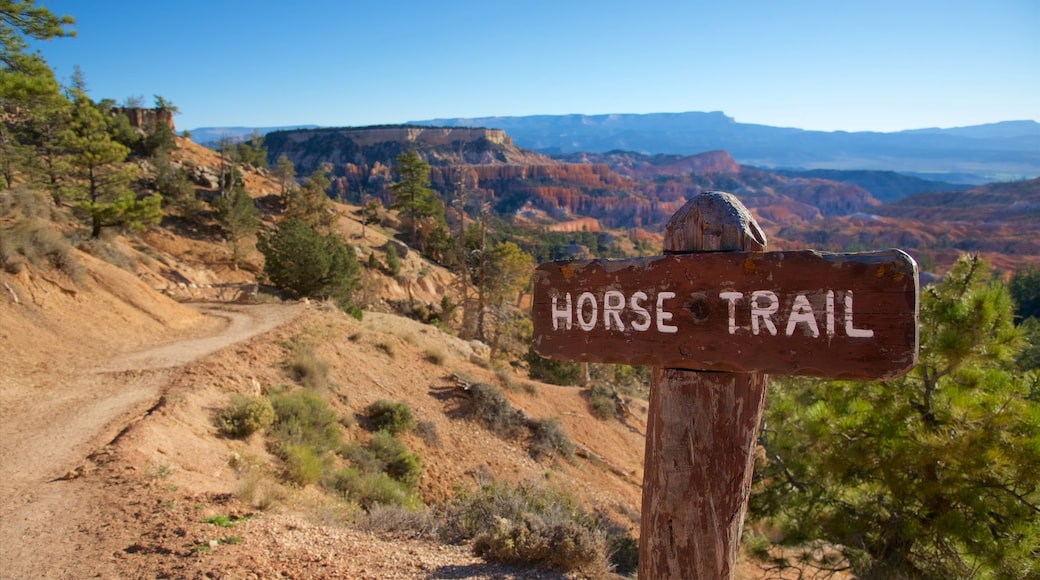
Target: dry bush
x=398, y=520
x=548, y=439
x=427, y=431
x=34, y=242
x=528, y=525
x=491, y=408
x=245, y=415
x=435, y=356
x=306, y=367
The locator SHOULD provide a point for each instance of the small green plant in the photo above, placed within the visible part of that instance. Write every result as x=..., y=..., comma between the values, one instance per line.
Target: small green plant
x=371, y=489
x=392, y=417
x=220, y=520
x=304, y=418
x=302, y=465
x=246, y=415
x=395, y=460
x=160, y=470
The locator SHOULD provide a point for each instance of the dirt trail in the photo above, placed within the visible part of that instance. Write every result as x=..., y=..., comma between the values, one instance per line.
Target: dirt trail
x=52, y=421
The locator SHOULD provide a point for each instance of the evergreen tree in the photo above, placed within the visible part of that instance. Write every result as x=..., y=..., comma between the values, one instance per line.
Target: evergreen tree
x=99, y=179
x=303, y=262
x=253, y=151
x=26, y=19
x=285, y=172
x=32, y=108
x=310, y=204
x=412, y=194
x=238, y=218
x=173, y=186
x=1025, y=291
x=935, y=474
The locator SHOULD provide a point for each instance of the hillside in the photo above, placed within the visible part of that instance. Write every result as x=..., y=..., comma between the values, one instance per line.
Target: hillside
x=139, y=360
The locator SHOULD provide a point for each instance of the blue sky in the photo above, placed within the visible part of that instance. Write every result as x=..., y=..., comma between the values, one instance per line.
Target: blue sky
x=852, y=65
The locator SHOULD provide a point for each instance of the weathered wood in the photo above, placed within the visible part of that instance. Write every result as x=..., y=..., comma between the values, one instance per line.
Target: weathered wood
x=805, y=312
x=700, y=430
x=697, y=472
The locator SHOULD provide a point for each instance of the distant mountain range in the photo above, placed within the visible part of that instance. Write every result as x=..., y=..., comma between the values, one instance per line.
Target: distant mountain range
x=1004, y=151
x=979, y=154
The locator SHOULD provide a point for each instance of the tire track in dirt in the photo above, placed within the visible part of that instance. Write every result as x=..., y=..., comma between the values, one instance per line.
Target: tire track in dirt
x=47, y=435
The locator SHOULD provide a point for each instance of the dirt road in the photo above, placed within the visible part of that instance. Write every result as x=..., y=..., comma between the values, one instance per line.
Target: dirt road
x=52, y=421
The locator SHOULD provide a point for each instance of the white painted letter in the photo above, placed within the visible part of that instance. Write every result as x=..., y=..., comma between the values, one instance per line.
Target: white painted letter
x=830, y=313
x=802, y=312
x=587, y=324
x=633, y=303
x=849, y=330
x=613, y=304
x=764, y=313
x=561, y=313
x=662, y=315
x=731, y=298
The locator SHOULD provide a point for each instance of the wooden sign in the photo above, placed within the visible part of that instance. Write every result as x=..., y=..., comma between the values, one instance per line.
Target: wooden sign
x=803, y=312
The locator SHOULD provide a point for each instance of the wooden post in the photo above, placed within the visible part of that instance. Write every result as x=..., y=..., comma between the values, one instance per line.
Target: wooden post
x=701, y=429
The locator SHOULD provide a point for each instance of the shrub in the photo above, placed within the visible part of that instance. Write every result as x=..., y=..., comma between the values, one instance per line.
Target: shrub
x=552, y=371
x=601, y=402
x=302, y=465
x=548, y=439
x=371, y=489
x=304, y=262
x=386, y=454
x=389, y=416
x=304, y=418
x=531, y=525
x=435, y=356
x=306, y=367
x=393, y=263
x=395, y=460
x=246, y=415
x=427, y=431
x=391, y=519
x=491, y=408
x=387, y=349
x=35, y=242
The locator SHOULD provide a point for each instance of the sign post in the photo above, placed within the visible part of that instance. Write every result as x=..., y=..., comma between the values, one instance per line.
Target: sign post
x=713, y=316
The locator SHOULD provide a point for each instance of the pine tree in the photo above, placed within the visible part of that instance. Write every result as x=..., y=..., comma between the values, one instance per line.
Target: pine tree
x=304, y=262
x=310, y=204
x=238, y=218
x=99, y=179
x=285, y=172
x=412, y=194
x=935, y=474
